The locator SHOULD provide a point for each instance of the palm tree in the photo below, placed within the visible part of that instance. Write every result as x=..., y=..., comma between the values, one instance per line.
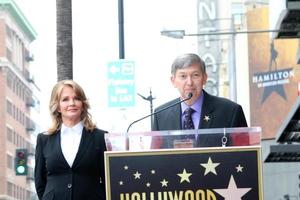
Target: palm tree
x=64, y=47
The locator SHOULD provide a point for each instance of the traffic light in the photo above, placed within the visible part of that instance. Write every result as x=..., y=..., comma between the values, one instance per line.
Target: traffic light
x=21, y=167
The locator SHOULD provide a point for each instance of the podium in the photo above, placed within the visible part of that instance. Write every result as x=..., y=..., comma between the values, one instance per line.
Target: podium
x=203, y=164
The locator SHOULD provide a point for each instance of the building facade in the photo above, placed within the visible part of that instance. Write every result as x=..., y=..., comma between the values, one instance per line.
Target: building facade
x=17, y=101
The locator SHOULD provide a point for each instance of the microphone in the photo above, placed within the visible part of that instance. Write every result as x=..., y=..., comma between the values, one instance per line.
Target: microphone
x=190, y=95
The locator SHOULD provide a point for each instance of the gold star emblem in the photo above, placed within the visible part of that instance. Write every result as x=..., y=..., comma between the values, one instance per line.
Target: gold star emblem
x=239, y=168
x=137, y=175
x=184, y=176
x=210, y=167
x=206, y=118
x=164, y=183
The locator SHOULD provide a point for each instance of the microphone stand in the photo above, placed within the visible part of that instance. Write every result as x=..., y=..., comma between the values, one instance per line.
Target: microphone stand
x=190, y=95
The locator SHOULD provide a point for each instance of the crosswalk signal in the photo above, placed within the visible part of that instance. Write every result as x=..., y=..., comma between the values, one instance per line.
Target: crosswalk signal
x=21, y=167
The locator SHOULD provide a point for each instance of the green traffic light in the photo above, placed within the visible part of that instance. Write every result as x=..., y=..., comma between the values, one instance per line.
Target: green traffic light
x=20, y=169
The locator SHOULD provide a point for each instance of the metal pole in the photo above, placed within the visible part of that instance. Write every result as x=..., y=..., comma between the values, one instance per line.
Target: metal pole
x=151, y=105
x=150, y=98
x=121, y=29
x=232, y=66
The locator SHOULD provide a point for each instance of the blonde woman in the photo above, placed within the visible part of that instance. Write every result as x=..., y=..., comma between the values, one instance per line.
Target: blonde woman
x=70, y=155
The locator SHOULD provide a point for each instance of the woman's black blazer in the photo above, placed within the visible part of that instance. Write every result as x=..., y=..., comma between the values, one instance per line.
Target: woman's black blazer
x=56, y=180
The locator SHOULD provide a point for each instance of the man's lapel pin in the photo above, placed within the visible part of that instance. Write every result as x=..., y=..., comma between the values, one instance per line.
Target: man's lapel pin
x=206, y=118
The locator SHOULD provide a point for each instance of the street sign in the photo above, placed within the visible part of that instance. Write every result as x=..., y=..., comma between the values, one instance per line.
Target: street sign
x=121, y=84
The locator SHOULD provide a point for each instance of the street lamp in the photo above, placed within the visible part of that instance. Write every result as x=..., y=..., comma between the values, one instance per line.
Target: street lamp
x=180, y=34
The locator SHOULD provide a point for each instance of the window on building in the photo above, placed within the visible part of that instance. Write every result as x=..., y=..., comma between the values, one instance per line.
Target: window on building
x=18, y=140
x=10, y=162
x=9, y=134
x=14, y=190
x=9, y=107
x=15, y=138
x=9, y=189
x=8, y=32
x=237, y=11
x=22, y=92
x=13, y=111
x=8, y=54
x=17, y=51
x=17, y=114
x=17, y=189
x=22, y=119
x=23, y=142
x=9, y=81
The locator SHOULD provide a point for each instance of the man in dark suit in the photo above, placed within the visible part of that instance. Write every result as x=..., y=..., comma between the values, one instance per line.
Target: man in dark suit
x=188, y=75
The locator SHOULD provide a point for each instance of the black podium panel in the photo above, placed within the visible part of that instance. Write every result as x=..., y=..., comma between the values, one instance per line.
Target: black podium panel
x=184, y=174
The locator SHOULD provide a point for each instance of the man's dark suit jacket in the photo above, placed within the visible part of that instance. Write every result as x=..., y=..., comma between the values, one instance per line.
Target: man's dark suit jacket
x=56, y=180
x=222, y=113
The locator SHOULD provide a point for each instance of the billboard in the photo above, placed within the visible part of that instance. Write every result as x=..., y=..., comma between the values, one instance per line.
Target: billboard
x=273, y=74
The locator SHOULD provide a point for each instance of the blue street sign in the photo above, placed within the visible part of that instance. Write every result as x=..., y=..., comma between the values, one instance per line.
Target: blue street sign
x=121, y=84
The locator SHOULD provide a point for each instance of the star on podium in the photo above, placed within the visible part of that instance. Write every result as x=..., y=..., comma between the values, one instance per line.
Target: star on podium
x=210, y=167
x=184, y=176
x=232, y=192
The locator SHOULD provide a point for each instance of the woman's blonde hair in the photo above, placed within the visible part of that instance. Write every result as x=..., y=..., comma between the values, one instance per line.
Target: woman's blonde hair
x=54, y=105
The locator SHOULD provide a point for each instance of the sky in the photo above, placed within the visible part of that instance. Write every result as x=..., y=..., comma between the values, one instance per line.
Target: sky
x=95, y=44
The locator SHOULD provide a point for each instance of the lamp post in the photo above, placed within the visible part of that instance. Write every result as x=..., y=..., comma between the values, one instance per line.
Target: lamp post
x=180, y=34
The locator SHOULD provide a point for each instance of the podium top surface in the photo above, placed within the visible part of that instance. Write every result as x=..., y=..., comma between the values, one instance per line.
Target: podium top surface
x=217, y=137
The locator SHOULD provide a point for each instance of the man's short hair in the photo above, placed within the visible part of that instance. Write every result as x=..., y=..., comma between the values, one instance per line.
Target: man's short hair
x=186, y=60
